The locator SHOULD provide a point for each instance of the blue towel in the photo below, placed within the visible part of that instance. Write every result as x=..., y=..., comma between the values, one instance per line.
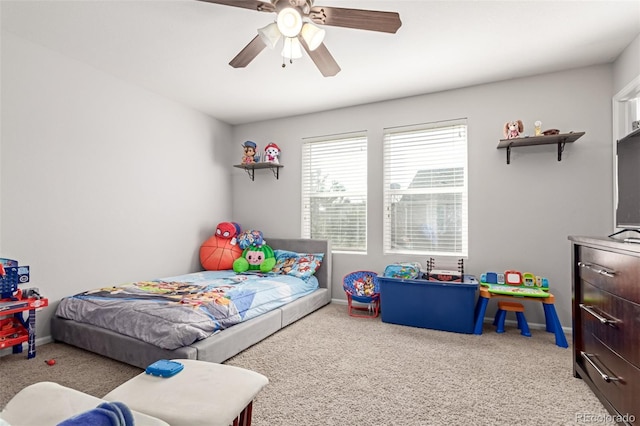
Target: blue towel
x=105, y=414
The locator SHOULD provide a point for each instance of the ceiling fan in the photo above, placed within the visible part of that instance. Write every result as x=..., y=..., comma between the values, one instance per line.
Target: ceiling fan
x=297, y=22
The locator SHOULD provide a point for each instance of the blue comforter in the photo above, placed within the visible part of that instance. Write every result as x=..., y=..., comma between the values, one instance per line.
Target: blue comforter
x=177, y=311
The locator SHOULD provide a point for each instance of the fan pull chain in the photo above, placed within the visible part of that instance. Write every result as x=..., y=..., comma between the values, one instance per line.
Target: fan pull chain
x=290, y=56
x=283, y=64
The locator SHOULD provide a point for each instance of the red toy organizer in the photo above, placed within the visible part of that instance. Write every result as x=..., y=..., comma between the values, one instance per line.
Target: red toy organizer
x=14, y=329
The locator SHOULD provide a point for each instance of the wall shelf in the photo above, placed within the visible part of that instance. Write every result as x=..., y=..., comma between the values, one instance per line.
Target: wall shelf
x=559, y=139
x=251, y=168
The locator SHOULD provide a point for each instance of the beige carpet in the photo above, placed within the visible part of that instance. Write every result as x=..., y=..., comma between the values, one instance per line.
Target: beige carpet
x=331, y=369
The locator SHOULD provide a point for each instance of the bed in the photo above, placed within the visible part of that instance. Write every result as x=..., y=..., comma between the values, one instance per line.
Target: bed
x=214, y=339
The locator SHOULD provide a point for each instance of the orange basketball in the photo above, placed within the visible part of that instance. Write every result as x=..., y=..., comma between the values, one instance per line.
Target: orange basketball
x=217, y=254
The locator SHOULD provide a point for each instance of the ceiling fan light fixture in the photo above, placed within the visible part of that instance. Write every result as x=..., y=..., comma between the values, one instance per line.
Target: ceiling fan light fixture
x=312, y=35
x=289, y=22
x=292, y=48
x=270, y=35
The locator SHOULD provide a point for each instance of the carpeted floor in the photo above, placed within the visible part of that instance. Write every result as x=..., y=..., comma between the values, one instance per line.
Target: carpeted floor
x=332, y=369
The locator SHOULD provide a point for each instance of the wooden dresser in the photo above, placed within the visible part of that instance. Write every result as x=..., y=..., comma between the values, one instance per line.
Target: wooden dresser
x=606, y=322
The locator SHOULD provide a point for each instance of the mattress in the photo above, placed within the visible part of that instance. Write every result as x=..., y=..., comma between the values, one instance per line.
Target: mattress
x=177, y=311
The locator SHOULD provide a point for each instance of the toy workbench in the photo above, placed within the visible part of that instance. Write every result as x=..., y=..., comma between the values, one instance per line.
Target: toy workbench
x=14, y=303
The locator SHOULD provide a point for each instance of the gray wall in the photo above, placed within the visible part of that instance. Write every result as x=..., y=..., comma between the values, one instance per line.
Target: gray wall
x=520, y=215
x=102, y=182
x=627, y=66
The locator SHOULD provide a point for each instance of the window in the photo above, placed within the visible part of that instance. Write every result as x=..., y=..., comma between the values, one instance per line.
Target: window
x=334, y=191
x=425, y=189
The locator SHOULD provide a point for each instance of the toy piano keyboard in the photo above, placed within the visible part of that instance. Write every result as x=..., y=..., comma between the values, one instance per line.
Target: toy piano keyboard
x=514, y=283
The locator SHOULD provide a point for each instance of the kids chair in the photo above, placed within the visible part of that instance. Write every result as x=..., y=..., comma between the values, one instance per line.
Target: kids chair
x=518, y=308
x=362, y=287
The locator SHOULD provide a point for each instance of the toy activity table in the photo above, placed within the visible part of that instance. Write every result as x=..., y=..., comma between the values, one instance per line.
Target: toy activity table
x=548, y=304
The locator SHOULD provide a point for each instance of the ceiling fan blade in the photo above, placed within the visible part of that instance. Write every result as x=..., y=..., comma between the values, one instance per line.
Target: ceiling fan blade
x=322, y=58
x=249, y=52
x=372, y=20
x=260, y=6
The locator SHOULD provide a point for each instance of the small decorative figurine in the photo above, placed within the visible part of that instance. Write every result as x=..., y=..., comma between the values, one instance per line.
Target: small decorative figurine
x=512, y=129
x=538, y=127
x=271, y=153
x=250, y=148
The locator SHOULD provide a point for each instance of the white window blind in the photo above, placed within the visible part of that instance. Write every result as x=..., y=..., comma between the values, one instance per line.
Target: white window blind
x=334, y=190
x=425, y=189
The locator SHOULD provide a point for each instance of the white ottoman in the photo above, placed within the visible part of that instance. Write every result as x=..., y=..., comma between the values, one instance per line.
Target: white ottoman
x=48, y=403
x=203, y=393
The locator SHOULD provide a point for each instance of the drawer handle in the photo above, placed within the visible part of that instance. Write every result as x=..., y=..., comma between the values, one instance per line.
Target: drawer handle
x=598, y=269
x=604, y=376
x=602, y=319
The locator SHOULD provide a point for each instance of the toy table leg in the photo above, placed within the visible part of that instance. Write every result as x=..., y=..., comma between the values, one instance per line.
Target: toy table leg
x=17, y=349
x=31, y=353
x=500, y=317
x=523, y=325
x=481, y=310
x=553, y=324
x=548, y=318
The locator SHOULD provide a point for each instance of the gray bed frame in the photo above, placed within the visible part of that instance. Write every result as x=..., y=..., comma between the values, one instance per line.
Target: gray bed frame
x=218, y=347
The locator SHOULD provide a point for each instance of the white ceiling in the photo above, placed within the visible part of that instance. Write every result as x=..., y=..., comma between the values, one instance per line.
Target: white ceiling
x=181, y=48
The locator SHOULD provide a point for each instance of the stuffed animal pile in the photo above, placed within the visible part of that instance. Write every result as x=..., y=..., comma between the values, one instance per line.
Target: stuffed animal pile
x=229, y=248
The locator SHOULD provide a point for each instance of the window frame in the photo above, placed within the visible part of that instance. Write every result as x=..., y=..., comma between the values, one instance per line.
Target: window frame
x=391, y=194
x=357, y=140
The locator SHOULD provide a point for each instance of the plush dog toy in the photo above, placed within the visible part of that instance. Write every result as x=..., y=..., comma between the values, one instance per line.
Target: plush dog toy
x=271, y=153
x=513, y=129
x=250, y=149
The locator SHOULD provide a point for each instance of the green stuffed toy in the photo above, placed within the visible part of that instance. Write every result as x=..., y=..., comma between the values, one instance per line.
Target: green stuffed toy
x=255, y=258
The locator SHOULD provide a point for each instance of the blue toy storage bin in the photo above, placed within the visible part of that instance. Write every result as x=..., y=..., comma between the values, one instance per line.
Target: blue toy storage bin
x=437, y=305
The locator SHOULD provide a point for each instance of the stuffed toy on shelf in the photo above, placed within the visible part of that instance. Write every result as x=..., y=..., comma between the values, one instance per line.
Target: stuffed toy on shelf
x=513, y=129
x=250, y=149
x=271, y=153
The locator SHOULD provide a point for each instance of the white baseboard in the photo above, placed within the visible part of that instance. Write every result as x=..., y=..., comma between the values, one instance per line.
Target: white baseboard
x=25, y=346
x=533, y=326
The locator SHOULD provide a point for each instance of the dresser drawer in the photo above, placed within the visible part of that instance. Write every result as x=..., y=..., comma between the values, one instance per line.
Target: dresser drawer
x=621, y=381
x=613, y=272
x=615, y=321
